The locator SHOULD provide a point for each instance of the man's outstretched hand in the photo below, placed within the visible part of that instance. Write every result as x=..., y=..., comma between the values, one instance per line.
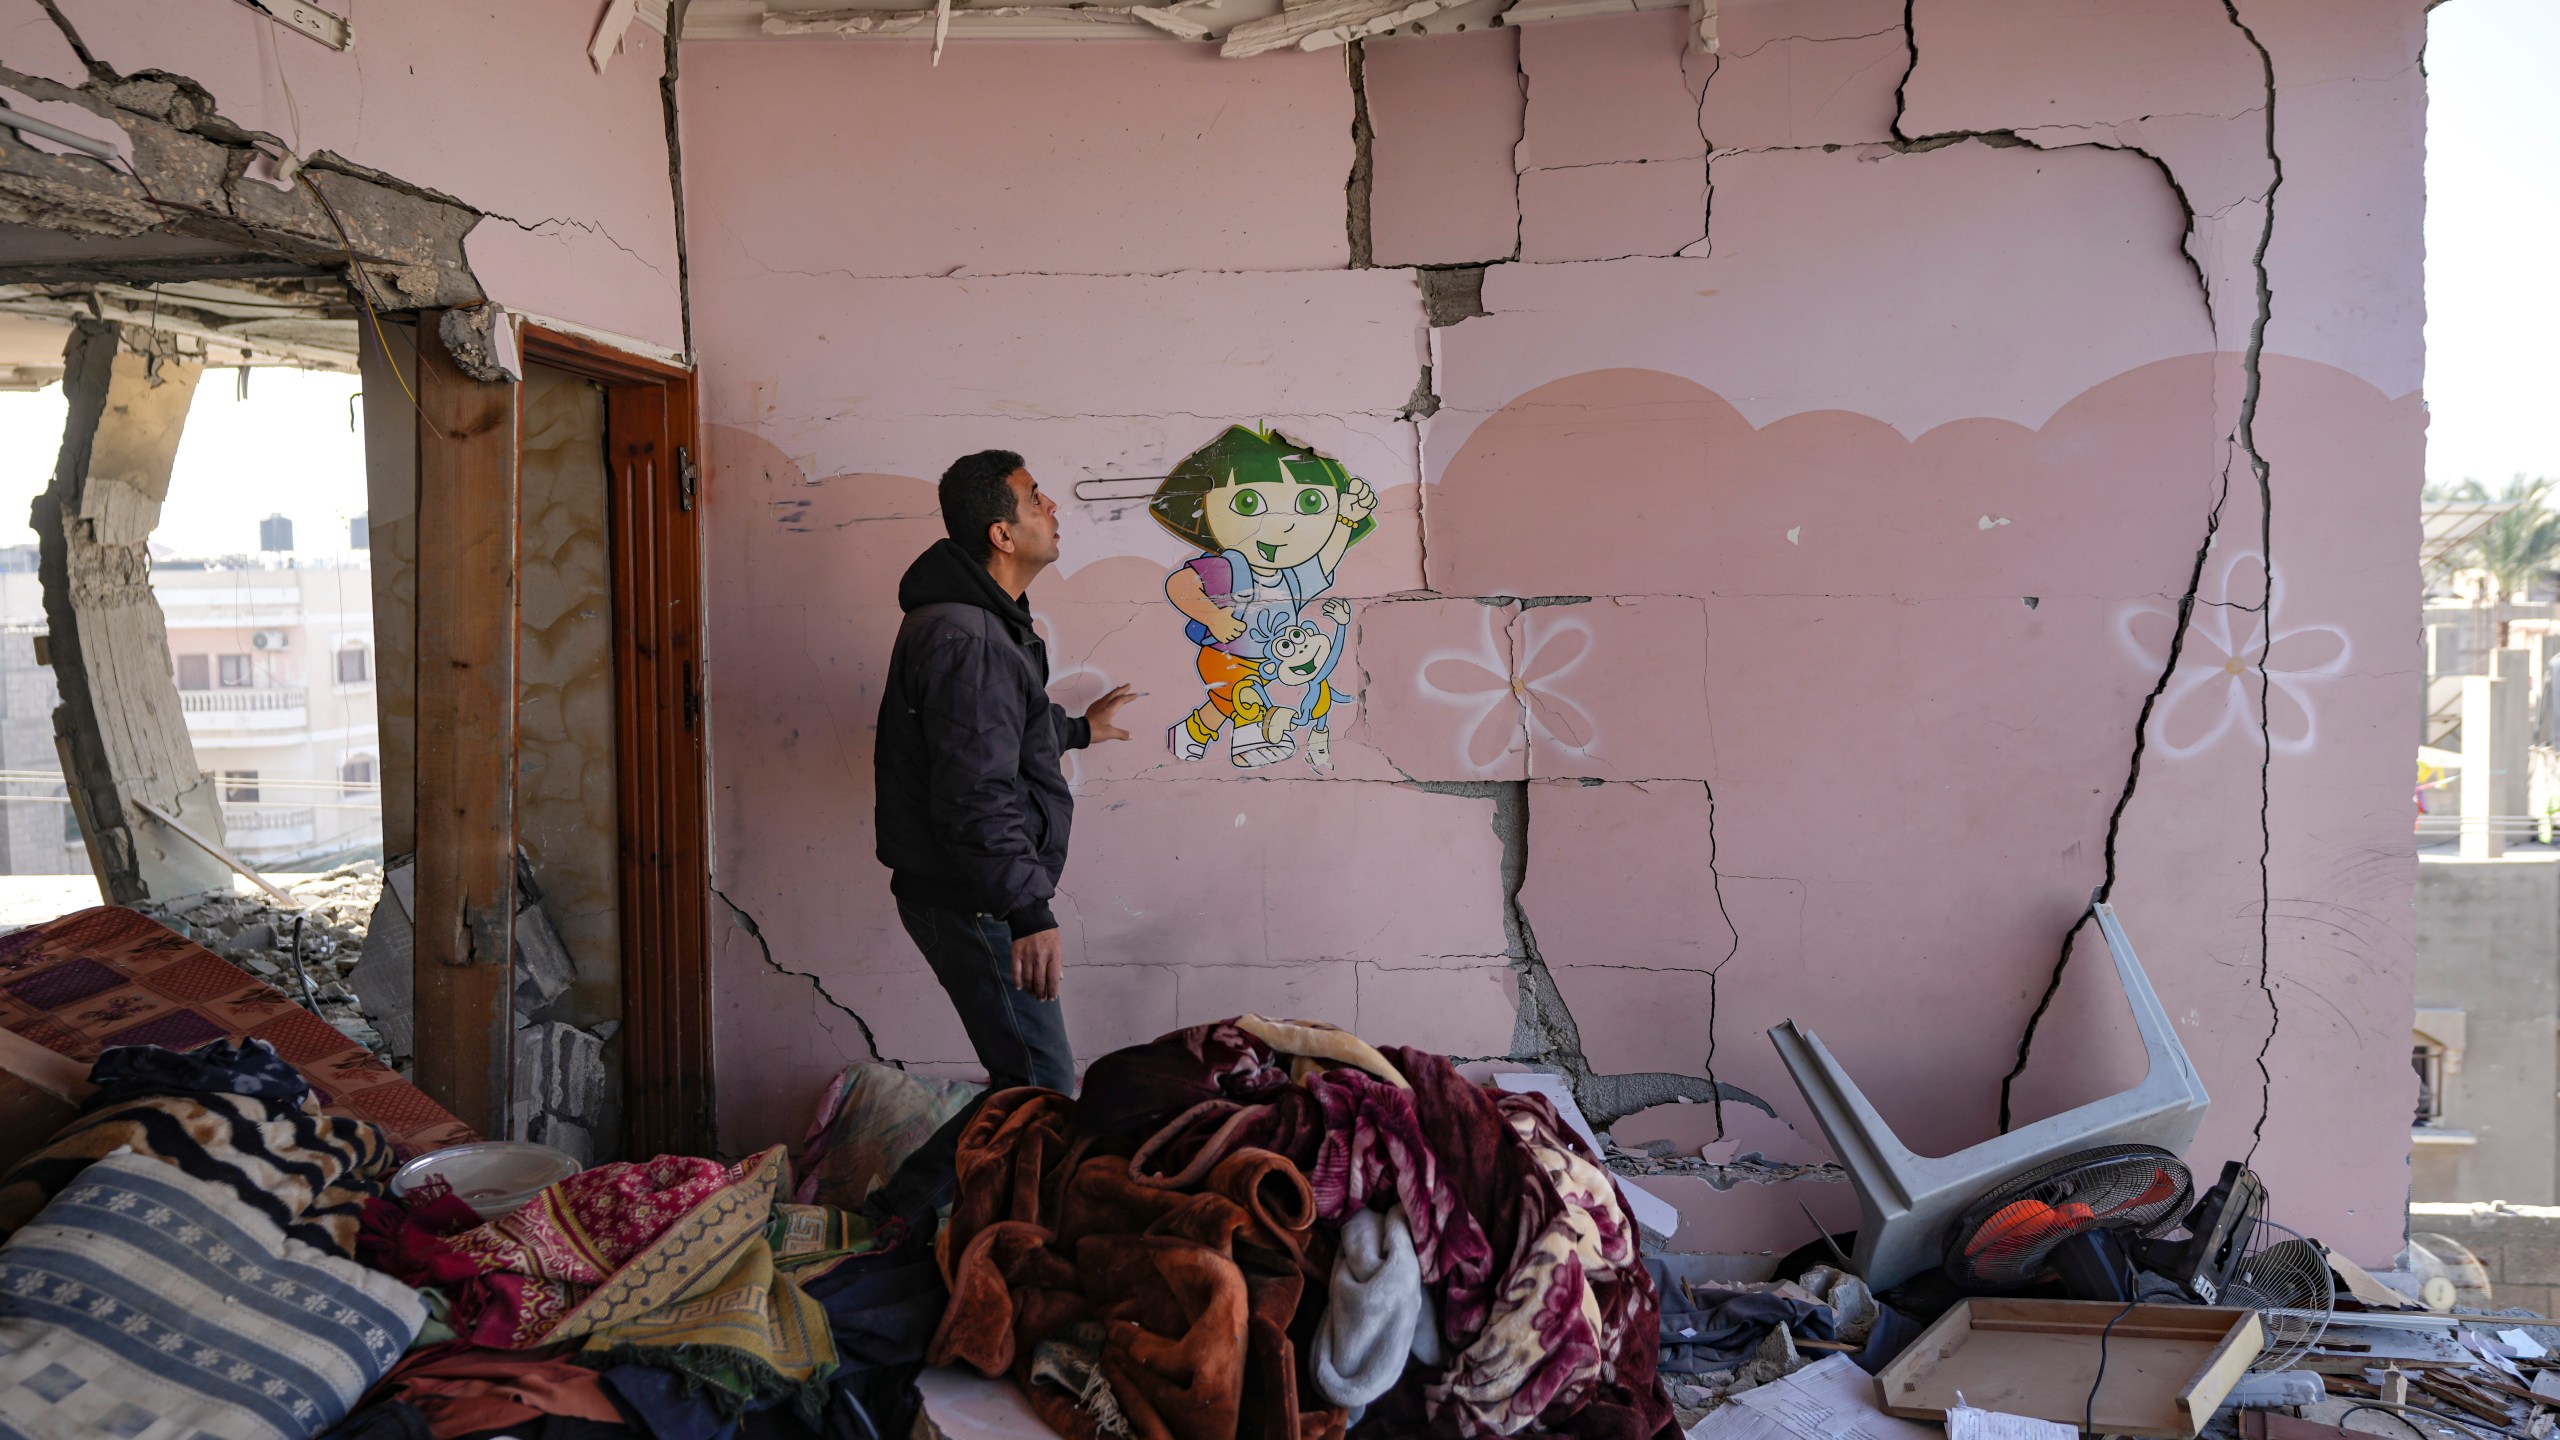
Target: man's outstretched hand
x=1100, y=713
x=1036, y=962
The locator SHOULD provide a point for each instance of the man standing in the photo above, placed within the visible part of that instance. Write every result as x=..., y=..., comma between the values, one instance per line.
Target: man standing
x=972, y=808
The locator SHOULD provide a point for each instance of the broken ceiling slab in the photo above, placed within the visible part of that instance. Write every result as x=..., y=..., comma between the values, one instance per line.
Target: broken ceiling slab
x=1243, y=28
x=304, y=322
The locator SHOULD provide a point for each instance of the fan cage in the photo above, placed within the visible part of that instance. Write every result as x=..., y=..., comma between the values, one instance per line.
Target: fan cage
x=2003, y=1240
x=2284, y=1270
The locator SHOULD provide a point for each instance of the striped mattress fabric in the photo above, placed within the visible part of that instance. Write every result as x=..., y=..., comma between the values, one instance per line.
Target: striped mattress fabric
x=143, y=1303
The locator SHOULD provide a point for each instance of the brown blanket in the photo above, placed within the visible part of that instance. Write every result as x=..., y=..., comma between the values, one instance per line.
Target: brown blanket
x=1180, y=1302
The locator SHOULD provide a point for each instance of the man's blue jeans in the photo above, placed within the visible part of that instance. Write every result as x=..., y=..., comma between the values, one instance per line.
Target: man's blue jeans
x=1020, y=1040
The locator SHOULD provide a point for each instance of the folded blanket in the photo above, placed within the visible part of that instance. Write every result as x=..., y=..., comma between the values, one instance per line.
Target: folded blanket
x=1375, y=1151
x=1126, y=1308
x=661, y=1263
x=1571, y=1301
x=567, y=1261
x=307, y=1173
x=145, y=1301
x=1130, y=1094
x=1562, y=1342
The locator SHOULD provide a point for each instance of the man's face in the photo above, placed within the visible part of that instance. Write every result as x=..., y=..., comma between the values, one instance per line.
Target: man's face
x=1034, y=529
x=1276, y=523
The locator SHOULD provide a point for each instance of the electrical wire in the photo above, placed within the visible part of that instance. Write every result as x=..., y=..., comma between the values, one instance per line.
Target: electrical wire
x=2384, y=1410
x=364, y=294
x=2402, y=1413
x=2089, y=1408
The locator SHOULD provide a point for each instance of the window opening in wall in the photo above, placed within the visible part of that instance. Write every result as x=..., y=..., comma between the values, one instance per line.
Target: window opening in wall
x=2428, y=1060
x=258, y=561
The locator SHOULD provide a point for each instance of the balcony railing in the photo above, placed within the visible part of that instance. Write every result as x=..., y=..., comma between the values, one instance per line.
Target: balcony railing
x=235, y=701
x=212, y=714
x=263, y=820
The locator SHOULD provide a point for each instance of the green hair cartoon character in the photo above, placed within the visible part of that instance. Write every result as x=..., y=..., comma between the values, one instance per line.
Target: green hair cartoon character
x=1272, y=520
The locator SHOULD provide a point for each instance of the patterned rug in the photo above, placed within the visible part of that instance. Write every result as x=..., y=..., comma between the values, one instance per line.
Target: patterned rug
x=110, y=976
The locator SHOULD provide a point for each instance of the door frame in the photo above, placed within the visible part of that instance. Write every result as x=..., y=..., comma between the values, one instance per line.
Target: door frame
x=469, y=574
x=653, y=517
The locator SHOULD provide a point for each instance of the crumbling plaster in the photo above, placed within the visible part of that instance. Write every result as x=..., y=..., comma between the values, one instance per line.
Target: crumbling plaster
x=1897, y=408
x=498, y=111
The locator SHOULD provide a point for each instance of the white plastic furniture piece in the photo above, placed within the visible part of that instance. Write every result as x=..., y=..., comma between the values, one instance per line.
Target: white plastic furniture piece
x=1908, y=1201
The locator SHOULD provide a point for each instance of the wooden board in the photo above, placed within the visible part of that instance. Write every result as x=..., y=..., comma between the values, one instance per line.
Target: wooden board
x=466, y=885
x=2167, y=1366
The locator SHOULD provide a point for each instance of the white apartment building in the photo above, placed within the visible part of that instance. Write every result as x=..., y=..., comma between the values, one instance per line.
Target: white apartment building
x=275, y=673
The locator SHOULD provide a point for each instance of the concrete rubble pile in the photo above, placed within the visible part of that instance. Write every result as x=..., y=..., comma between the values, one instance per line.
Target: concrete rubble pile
x=257, y=932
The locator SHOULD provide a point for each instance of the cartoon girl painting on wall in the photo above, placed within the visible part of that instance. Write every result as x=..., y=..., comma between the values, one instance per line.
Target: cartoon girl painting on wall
x=1273, y=520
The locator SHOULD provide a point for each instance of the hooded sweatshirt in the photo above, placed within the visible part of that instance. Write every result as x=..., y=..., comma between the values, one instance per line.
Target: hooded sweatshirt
x=972, y=808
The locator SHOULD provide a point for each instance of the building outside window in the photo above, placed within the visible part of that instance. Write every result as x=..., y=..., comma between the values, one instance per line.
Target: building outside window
x=195, y=672
x=2427, y=1058
x=355, y=775
x=355, y=665
x=235, y=670
x=240, y=786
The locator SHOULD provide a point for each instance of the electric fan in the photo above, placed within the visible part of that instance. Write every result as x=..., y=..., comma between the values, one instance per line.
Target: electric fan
x=2219, y=1230
x=2077, y=1217
x=2285, y=1278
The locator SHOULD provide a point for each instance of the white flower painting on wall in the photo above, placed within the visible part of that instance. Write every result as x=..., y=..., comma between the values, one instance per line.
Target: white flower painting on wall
x=1503, y=702
x=2216, y=692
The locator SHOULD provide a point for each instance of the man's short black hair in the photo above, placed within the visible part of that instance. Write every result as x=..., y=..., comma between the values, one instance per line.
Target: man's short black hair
x=975, y=495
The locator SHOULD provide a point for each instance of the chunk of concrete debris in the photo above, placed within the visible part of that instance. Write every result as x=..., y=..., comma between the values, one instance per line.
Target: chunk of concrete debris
x=305, y=950
x=1776, y=1359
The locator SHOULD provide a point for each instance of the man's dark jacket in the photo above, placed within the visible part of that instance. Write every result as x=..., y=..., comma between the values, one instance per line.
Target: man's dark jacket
x=973, y=810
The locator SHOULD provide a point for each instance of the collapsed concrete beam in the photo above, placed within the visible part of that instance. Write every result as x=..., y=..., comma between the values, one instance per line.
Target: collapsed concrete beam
x=119, y=728
x=197, y=178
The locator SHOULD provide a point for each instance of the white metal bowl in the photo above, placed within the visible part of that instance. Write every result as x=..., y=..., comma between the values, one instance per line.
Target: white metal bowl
x=494, y=1177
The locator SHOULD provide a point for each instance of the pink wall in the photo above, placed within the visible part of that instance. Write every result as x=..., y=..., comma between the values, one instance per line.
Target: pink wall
x=1868, y=474
x=493, y=104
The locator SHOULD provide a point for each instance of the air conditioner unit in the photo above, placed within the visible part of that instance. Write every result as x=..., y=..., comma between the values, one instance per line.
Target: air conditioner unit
x=271, y=640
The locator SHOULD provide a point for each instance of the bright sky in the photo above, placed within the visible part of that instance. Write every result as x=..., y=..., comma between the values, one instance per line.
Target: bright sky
x=2493, y=208
x=285, y=450
x=2493, y=323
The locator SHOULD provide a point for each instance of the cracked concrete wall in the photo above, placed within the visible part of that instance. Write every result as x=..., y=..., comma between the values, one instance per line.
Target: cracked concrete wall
x=1833, y=541
x=500, y=111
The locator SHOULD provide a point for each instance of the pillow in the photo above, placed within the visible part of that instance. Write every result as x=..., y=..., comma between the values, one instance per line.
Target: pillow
x=144, y=1301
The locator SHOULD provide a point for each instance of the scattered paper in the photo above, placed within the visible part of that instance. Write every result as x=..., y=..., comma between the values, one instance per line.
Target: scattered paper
x=1966, y=1423
x=1652, y=1211
x=2523, y=1346
x=1828, y=1400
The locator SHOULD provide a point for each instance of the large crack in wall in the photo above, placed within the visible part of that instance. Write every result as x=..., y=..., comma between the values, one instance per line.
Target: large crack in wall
x=746, y=923
x=2241, y=447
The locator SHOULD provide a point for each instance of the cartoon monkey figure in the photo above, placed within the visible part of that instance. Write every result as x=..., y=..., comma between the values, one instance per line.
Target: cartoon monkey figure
x=1273, y=520
x=1303, y=654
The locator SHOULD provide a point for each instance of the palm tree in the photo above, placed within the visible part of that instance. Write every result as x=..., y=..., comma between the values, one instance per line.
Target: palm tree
x=2517, y=549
